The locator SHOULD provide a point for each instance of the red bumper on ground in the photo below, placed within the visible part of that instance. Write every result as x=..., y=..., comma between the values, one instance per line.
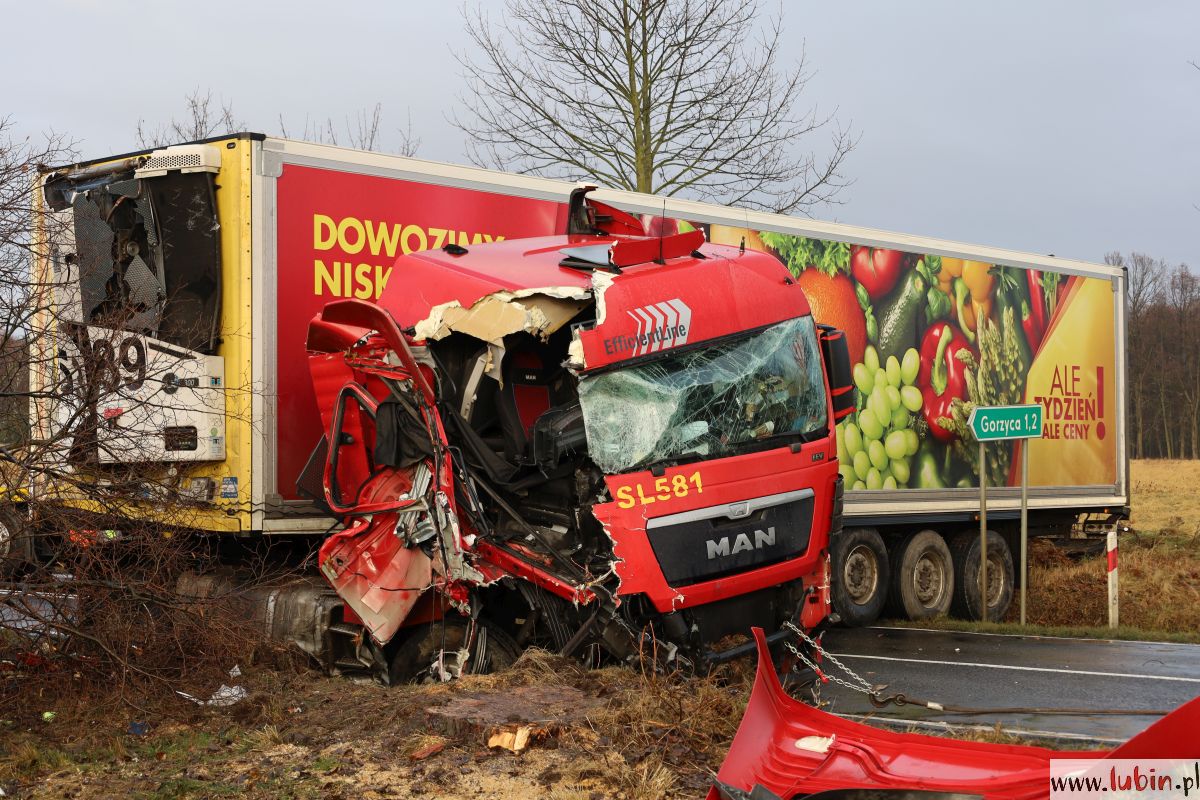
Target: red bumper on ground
x=791, y=750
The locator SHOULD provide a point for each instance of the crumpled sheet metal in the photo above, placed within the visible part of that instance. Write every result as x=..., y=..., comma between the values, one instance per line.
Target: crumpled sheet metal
x=494, y=316
x=539, y=312
x=786, y=749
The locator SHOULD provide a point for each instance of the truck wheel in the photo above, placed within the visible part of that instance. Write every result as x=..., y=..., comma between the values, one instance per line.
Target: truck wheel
x=860, y=575
x=16, y=539
x=965, y=550
x=922, y=576
x=413, y=659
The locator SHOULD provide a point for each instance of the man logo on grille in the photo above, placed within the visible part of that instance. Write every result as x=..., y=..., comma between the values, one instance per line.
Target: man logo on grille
x=659, y=326
x=725, y=546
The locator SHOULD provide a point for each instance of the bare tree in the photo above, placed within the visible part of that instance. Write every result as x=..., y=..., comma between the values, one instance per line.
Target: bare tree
x=1163, y=356
x=1144, y=281
x=19, y=161
x=362, y=131
x=94, y=596
x=203, y=120
x=663, y=96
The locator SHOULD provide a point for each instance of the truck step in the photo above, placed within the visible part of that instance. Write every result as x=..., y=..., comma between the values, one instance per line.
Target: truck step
x=352, y=663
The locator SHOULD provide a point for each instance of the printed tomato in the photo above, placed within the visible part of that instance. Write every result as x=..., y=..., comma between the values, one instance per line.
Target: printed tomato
x=876, y=269
x=834, y=302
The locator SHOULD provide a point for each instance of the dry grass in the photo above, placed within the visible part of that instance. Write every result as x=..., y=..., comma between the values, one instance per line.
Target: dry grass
x=1159, y=587
x=1159, y=562
x=1164, y=498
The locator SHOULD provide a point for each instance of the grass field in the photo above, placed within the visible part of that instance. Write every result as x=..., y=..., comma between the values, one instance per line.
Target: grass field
x=1164, y=499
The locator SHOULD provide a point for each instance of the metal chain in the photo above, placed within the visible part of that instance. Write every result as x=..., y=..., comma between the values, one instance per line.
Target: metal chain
x=875, y=693
x=864, y=687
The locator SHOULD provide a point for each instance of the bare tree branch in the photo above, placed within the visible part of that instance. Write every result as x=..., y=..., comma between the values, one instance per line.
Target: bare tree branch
x=361, y=131
x=663, y=96
x=203, y=120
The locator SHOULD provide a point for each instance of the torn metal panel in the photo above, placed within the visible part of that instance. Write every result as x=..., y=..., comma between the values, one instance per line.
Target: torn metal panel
x=492, y=317
x=601, y=281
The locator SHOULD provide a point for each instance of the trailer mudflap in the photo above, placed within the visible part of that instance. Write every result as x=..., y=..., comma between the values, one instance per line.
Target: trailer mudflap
x=785, y=749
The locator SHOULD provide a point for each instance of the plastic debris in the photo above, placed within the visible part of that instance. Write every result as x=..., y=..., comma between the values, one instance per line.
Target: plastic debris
x=223, y=696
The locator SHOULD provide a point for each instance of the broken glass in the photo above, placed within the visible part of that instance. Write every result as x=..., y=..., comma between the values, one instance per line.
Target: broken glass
x=148, y=253
x=709, y=402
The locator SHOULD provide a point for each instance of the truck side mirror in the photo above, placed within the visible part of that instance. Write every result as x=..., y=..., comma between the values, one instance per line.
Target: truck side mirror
x=836, y=355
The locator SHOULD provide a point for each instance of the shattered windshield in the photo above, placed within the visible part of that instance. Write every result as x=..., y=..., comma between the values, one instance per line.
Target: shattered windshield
x=706, y=403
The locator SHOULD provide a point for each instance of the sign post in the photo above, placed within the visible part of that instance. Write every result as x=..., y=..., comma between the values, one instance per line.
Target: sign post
x=1002, y=423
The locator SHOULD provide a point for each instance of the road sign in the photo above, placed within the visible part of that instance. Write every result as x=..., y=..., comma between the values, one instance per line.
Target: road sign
x=994, y=423
x=997, y=423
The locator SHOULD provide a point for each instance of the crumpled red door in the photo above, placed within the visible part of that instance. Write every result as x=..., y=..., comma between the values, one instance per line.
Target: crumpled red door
x=373, y=569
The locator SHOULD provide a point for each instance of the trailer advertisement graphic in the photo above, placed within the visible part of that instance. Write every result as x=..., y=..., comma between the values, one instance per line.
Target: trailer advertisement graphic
x=338, y=235
x=931, y=337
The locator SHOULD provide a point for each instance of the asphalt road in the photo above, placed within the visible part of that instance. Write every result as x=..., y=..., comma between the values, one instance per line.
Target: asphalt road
x=1030, y=672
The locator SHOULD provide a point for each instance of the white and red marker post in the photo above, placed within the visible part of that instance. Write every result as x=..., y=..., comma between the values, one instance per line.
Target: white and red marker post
x=1113, y=615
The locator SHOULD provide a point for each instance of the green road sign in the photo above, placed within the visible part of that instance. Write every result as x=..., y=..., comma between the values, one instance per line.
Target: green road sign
x=992, y=423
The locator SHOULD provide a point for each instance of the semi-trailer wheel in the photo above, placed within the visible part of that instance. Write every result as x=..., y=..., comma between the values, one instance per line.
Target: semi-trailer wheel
x=413, y=659
x=922, y=576
x=16, y=539
x=964, y=548
x=860, y=575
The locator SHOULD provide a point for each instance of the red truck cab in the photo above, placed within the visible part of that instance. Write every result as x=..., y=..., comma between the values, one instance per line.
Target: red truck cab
x=584, y=442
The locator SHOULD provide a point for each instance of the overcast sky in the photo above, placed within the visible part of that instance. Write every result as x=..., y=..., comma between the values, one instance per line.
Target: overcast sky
x=1054, y=127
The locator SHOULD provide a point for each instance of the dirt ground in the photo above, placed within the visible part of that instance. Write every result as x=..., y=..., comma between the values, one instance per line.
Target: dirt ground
x=626, y=735
x=629, y=735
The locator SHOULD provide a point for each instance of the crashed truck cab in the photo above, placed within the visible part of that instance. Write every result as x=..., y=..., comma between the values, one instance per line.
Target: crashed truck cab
x=601, y=443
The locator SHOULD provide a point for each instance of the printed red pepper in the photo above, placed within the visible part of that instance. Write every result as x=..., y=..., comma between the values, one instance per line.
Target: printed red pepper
x=1033, y=329
x=943, y=375
x=1037, y=300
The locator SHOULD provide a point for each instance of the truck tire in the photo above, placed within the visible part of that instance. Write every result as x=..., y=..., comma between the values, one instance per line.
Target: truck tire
x=16, y=540
x=860, y=575
x=922, y=576
x=965, y=550
x=413, y=658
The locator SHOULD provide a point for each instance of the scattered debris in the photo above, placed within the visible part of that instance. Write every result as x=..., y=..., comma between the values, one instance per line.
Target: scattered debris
x=431, y=749
x=514, y=740
x=223, y=696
